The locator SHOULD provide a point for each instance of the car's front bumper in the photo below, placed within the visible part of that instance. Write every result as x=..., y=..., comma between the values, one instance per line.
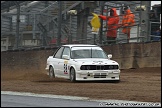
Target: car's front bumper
x=98, y=75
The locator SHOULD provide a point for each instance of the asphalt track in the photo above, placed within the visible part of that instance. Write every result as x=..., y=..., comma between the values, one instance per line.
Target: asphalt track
x=24, y=99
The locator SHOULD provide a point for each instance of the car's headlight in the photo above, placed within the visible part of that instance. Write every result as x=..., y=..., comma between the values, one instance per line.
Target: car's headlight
x=111, y=67
x=116, y=67
x=82, y=67
x=85, y=67
x=88, y=67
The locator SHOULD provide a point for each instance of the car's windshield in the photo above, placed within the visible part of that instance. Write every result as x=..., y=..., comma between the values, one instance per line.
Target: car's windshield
x=88, y=53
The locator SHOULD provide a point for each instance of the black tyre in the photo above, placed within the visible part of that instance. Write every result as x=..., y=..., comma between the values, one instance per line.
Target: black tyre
x=51, y=72
x=72, y=75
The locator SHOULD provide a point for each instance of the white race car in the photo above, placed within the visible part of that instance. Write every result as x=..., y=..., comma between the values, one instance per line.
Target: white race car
x=80, y=62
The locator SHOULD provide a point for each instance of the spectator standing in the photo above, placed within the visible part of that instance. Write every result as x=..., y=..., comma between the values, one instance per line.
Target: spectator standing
x=112, y=22
x=127, y=22
x=155, y=26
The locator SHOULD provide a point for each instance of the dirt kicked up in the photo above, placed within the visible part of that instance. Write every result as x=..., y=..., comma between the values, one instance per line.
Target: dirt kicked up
x=136, y=85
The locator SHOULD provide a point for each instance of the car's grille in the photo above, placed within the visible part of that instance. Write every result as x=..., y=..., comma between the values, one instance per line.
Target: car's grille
x=100, y=75
x=99, y=67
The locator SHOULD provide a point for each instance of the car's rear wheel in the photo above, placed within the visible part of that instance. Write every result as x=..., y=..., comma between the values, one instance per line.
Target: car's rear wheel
x=72, y=75
x=51, y=72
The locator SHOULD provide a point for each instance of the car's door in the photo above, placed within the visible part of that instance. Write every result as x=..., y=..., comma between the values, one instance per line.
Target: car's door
x=57, y=59
x=64, y=63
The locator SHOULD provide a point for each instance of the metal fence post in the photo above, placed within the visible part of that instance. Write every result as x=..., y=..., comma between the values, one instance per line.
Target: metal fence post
x=59, y=19
x=94, y=39
x=34, y=26
x=17, y=24
x=101, y=28
x=70, y=37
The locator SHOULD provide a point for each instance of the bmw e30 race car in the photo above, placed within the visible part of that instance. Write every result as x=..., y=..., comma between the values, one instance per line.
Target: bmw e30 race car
x=80, y=62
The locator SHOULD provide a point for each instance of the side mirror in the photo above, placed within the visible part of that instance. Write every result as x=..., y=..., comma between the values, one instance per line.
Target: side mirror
x=50, y=56
x=66, y=57
x=109, y=56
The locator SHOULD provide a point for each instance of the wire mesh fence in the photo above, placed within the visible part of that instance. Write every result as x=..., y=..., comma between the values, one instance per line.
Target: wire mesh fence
x=40, y=28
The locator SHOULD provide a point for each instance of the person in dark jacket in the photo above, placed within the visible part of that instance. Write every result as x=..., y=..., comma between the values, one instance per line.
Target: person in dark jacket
x=155, y=26
x=112, y=22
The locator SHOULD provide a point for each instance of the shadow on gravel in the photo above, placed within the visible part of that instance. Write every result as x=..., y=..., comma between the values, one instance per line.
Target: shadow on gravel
x=60, y=80
x=97, y=82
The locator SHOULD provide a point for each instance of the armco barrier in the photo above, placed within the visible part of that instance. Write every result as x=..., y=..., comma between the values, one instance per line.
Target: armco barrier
x=132, y=55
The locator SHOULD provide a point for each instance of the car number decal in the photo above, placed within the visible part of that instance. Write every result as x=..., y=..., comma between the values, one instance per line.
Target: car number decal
x=65, y=67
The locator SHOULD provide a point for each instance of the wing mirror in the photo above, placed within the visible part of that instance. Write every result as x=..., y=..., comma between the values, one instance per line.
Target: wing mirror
x=109, y=56
x=66, y=57
x=50, y=56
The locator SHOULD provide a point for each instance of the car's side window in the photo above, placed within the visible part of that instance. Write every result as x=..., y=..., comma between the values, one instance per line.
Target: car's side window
x=66, y=51
x=58, y=53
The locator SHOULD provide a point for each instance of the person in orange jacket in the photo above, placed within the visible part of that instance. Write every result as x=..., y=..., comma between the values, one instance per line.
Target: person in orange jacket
x=112, y=22
x=127, y=22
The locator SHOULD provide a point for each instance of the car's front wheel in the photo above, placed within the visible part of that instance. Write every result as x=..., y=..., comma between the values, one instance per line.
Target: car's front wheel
x=51, y=72
x=72, y=75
